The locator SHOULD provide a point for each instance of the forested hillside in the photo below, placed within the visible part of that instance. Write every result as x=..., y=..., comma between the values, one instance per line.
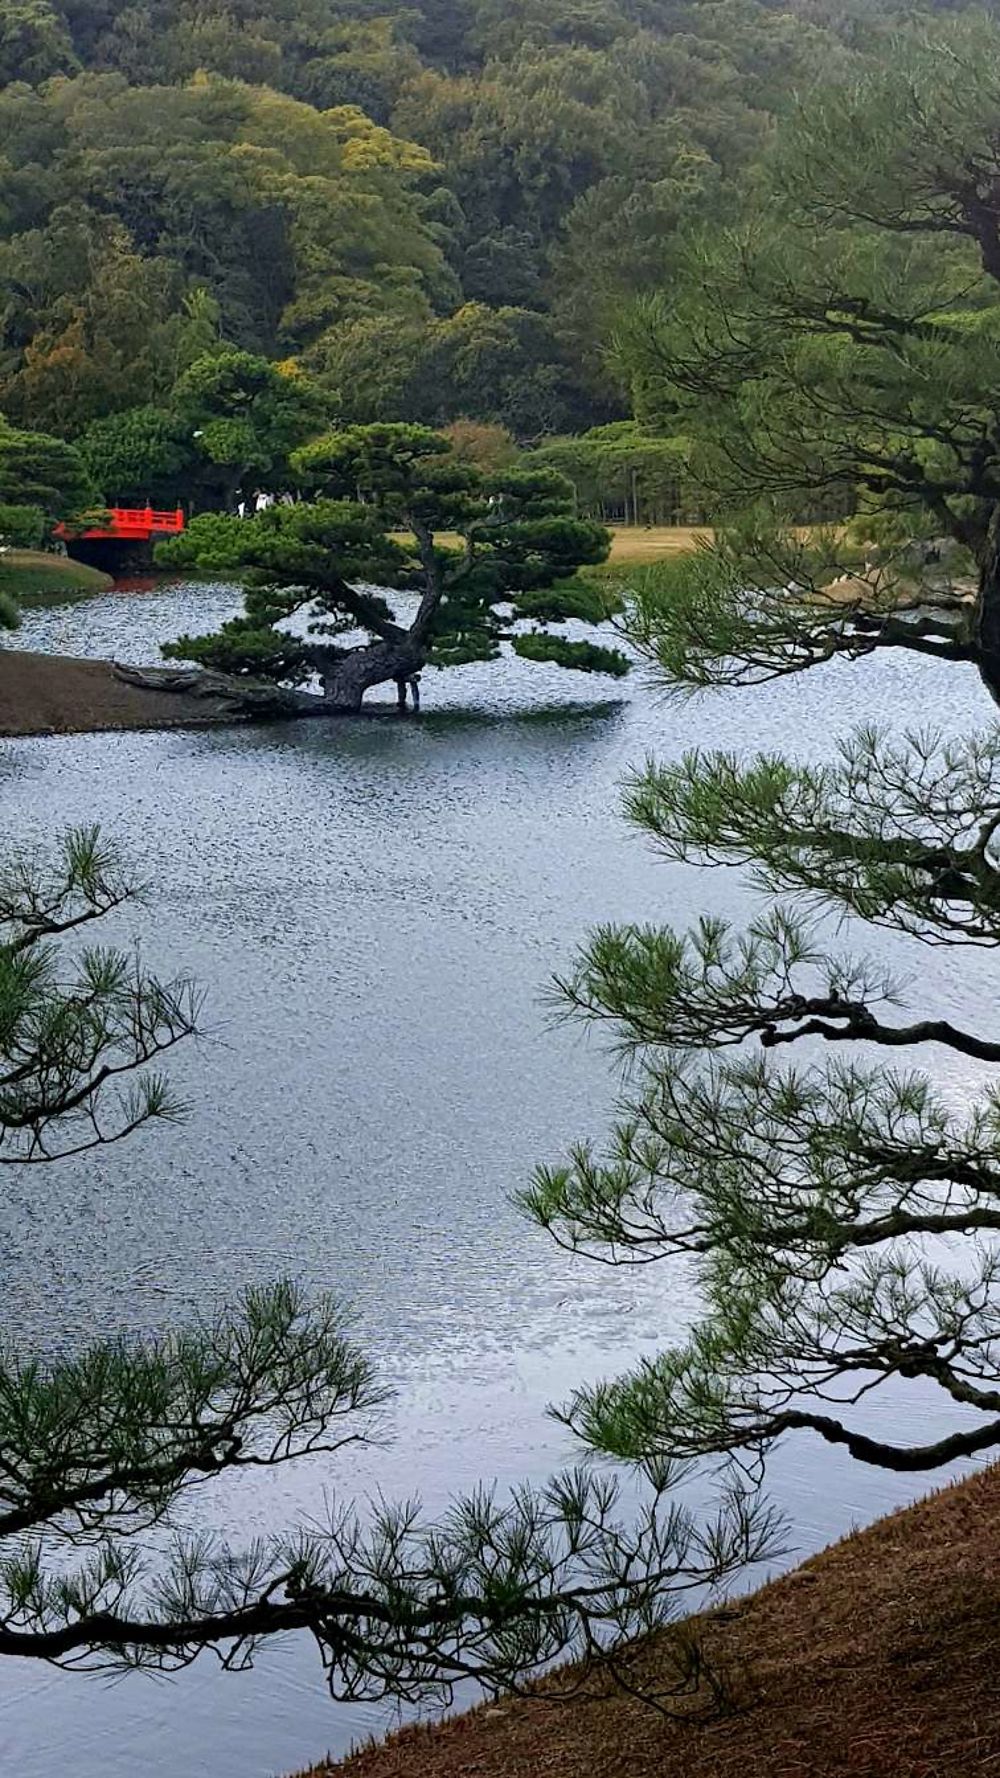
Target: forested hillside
x=433, y=209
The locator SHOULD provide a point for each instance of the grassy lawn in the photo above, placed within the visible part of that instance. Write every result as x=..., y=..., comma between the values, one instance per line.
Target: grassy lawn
x=636, y=543
x=27, y=572
x=629, y=543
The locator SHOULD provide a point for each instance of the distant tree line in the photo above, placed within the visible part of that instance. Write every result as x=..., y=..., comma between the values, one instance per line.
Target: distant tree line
x=433, y=210
x=623, y=474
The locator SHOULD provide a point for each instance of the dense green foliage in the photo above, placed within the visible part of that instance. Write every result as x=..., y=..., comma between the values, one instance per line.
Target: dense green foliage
x=144, y=223
x=232, y=418
x=42, y=479
x=625, y=473
x=843, y=1214
x=436, y=207
x=398, y=507
x=44, y=472
x=22, y=527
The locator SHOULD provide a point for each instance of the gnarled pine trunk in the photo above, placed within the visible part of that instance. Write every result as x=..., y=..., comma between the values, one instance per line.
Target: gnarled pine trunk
x=346, y=680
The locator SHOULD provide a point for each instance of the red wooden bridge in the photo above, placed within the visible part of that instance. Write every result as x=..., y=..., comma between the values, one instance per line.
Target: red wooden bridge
x=127, y=524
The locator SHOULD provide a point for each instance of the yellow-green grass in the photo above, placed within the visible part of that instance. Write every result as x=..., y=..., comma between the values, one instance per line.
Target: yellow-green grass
x=636, y=543
x=629, y=543
x=27, y=573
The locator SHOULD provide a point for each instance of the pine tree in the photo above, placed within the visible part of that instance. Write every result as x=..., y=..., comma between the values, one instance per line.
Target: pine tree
x=485, y=553
x=839, y=353
x=98, y=1448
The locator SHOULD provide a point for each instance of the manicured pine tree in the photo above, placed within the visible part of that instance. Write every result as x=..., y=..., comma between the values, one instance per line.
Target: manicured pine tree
x=481, y=556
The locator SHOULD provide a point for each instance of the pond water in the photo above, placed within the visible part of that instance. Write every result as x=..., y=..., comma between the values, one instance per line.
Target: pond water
x=373, y=909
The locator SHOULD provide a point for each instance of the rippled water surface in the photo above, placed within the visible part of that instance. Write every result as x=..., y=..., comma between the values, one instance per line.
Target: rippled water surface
x=373, y=908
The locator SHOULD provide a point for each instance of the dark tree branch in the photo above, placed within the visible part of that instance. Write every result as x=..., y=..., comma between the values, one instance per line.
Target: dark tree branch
x=859, y=1024
x=904, y=1459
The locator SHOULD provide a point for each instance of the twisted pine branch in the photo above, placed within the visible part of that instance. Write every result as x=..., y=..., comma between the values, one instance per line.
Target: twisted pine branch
x=857, y=1023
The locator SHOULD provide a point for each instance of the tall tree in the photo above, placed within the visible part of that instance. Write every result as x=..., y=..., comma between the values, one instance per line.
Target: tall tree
x=100, y=1446
x=622, y=472
x=230, y=419
x=41, y=471
x=143, y=454
x=243, y=417
x=842, y=1213
x=486, y=552
x=34, y=42
x=42, y=479
x=88, y=320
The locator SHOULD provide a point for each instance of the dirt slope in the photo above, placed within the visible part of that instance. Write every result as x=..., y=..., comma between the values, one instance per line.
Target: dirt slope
x=878, y=1659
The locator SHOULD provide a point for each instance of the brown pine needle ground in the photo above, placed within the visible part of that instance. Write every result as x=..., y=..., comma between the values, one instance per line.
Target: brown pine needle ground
x=879, y=1658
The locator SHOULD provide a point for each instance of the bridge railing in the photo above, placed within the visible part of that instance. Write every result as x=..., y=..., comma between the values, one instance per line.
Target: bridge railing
x=145, y=518
x=130, y=523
